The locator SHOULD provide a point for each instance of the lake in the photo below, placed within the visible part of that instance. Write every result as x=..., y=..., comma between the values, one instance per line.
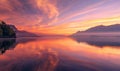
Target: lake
x=60, y=54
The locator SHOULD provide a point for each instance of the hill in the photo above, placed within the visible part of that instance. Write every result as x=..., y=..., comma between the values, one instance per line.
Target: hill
x=20, y=33
x=101, y=30
x=10, y=31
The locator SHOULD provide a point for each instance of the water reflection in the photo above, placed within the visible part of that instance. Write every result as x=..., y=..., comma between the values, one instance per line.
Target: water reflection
x=9, y=44
x=59, y=54
x=6, y=45
x=99, y=41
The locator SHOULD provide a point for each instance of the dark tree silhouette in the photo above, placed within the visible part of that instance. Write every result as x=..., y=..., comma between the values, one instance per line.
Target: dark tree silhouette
x=6, y=31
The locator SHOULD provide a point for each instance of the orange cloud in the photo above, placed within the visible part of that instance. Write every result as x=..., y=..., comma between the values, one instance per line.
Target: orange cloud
x=47, y=16
x=48, y=8
x=17, y=12
x=72, y=27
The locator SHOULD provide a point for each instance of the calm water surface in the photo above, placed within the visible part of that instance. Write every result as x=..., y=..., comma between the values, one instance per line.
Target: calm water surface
x=60, y=54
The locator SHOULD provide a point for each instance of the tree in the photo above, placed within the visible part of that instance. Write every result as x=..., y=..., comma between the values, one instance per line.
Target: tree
x=6, y=31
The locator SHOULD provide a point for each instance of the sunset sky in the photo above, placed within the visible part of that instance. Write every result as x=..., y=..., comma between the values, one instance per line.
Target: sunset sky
x=59, y=16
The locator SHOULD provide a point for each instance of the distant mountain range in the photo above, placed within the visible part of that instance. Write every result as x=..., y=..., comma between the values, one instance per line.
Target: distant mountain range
x=101, y=29
x=100, y=35
x=22, y=33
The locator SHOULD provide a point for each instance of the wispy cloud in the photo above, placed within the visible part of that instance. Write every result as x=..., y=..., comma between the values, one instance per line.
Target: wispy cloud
x=59, y=16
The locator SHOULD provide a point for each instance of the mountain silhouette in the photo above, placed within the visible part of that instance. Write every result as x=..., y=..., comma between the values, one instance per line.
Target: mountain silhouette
x=101, y=28
x=100, y=35
x=100, y=31
x=10, y=31
x=22, y=33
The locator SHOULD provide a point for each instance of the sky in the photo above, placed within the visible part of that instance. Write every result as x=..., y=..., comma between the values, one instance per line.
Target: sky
x=59, y=16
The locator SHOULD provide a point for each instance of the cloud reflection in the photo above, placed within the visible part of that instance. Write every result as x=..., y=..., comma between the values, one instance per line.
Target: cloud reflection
x=56, y=53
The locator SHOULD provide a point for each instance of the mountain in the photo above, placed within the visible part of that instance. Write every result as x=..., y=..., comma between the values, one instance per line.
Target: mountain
x=10, y=31
x=22, y=33
x=25, y=34
x=100, y=35
x=100, y=30
x=6, y=31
